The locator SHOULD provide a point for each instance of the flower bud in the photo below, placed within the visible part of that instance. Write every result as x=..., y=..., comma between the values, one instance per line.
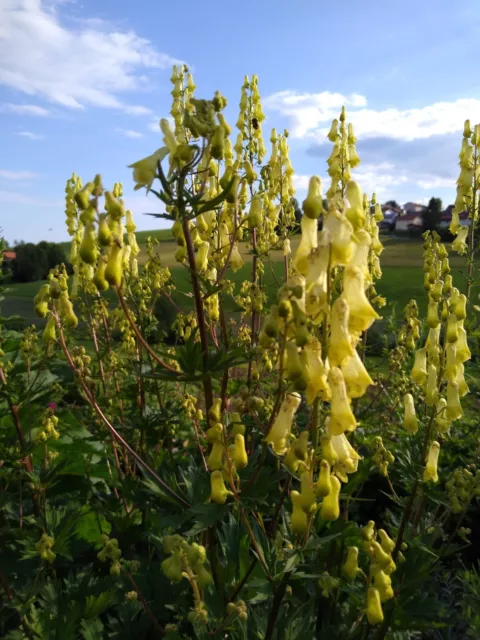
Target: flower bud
x=330, y=509
x=454, y=408
x=430, y=472
x=341, y=417
x=240, y=456
x=323, y=485
x=410, y=421
x=219, y=492
x=307, y=494
x=374, y=606
x=350, y=567
x=114, y=268
x=299, y=521
x=279, y=433
x=313, y=203
x=328, y=452
x=431, y=391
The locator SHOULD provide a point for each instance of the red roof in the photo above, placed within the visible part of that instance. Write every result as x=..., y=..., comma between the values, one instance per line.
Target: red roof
x=9, y=255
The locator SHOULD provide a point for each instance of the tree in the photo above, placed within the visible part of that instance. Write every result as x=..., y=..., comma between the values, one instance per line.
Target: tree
x=432, y=214
x=393, y=204
x=34, y=261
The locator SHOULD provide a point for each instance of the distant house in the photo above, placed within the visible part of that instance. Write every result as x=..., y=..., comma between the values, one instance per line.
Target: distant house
x=414, y=207
x=8, y=256
x=411, y=217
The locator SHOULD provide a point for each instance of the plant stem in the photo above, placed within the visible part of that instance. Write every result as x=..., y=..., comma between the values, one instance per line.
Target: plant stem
x=277, y=601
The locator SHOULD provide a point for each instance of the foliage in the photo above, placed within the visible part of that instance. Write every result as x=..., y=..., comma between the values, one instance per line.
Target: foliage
x=249, y=468
x=34, y=261
x=431, y=216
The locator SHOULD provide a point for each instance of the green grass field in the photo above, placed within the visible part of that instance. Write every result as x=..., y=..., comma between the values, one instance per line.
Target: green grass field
x=401, y=265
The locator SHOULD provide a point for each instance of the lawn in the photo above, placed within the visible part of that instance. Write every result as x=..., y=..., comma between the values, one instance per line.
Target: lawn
x=401, y=265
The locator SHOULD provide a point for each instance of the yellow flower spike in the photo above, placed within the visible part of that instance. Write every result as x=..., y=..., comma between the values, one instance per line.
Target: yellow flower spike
x=388, y=545
x=362, y=314
x=308, y=241
x=317, y=373
x=441, y=421
x=451, y=369
x=280, y=431
x=341, y=417
x=459, y=244
x=431, y=472
x=313, y=204
x=333, y=133
x=374, y=607
x=383, y=583
x=467, y=131
x=356, y=376
x=307, y=494
x=328, y=452
x=219, y=493
x=432, y=315
x=215, y=459
x=350, y=567
x=431, y=390
x=410, y=421
x=145, y=170
x=454, y=408
x=323, y=485
x=340, y=345
x=355, y=213
x=240, y=456
x=460, y=380
x=299, y=522
x=340, y=231
x=330, y=509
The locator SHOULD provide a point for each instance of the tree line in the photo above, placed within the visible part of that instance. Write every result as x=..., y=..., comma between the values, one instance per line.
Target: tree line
x=33, y=261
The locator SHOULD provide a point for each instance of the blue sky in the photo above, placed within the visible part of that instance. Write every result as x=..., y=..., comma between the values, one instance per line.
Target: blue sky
x=83, y=85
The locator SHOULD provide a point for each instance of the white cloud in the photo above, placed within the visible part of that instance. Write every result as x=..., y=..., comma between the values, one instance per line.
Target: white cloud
x=137, y=110
x=312, y=113
x=300, y=182
x=11, y=197
x=7, y=174
x=30, y=135
x=25, y=109
x=130, y=133
x=72, y=66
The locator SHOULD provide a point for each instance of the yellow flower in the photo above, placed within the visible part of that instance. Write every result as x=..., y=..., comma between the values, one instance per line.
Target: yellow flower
x=432, y=314
x=441, y=420
x=362, y=314
x=219, y=493
x=383, y=583
x=330, y=509
x=350, y=567
x=374, y=606
x=299, y=522
x=279, y=433
x=341, y=415
x=431, y=472
x=307, y=494
x=361, y=248
x=308, y=241
x=313, y=204
x=323, y=485
x=340, y=231
x=460, y=380
x=215, y=459
x=317, y=373
x=463, y=352
x=346, y=456
x=340, y=345
x=328, y=452
x=355, y=212
x=454, y=408
x=451, y=369
x=145, y=170
x=431, y=391
x=296, y=369
x=240, y=456
x=459, y=245
x=356, y=376
x=410, y=421
x=387, y=544
x=419, y=371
